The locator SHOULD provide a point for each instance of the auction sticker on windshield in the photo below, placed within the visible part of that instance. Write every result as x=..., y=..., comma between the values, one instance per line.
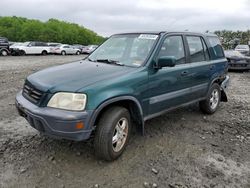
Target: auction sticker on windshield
x=148, y=36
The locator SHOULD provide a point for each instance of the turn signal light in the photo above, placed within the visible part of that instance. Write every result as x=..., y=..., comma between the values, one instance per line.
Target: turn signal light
x=79, y=125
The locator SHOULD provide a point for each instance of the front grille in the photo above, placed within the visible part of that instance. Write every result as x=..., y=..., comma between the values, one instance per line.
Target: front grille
x=32, y=94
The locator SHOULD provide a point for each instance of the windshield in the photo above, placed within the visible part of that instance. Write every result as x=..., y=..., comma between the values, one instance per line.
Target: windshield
x=25, y=44
x=127, y=49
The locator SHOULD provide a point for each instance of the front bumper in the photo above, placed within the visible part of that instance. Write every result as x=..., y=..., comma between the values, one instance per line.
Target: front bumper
x=239, y=66
x=55, y=122
x=14, y=51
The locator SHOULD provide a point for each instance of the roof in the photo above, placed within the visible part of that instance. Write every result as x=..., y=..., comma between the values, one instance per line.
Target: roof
x=165, y=32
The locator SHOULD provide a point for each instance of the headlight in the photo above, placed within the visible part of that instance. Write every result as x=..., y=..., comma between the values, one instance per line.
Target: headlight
x=68, y=101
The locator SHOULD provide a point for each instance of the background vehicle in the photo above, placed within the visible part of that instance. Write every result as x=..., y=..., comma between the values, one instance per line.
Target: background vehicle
x=14, y=48
x=28, y=48
x=65, y=49
x=244, y=49
x=149, y=74
x=237, y=61
x=78, y=46
x=4, y=46
x=89, y=49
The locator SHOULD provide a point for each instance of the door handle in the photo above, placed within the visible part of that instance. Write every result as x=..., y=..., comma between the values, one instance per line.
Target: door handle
x=184, y=73
x=212, y=67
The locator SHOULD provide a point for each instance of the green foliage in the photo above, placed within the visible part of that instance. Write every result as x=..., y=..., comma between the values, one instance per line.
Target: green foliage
x=232, y=38
x=20, y=29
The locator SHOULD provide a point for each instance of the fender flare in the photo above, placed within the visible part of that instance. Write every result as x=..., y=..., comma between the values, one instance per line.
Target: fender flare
x=223, y=93
x=97, y=111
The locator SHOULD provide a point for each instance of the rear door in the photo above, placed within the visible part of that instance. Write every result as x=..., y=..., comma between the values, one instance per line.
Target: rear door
x=72, y=50
x=200, y=65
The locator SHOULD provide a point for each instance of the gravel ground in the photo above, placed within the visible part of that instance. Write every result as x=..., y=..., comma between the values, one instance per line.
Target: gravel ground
x=181, y=149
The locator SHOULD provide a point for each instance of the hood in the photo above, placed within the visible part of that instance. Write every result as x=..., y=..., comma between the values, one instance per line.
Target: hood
x=74, y=76
x=15, y=47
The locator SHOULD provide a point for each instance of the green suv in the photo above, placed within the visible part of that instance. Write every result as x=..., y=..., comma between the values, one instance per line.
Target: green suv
x=130, y=78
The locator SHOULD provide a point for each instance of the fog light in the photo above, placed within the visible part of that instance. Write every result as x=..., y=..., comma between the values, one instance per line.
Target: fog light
x=79, y=125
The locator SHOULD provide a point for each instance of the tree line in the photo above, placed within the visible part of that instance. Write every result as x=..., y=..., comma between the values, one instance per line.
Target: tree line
x=21, y=29
x=230, y=39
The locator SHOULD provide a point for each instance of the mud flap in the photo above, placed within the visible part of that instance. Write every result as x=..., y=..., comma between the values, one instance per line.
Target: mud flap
x=224, y=86
x=223, y=96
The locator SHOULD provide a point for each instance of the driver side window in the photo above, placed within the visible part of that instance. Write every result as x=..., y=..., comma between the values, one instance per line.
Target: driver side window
x=173, y=46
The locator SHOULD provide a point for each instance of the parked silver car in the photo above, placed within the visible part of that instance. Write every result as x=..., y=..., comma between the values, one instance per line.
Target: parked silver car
x=89, y=49
x=65, y=49
x=244, y=49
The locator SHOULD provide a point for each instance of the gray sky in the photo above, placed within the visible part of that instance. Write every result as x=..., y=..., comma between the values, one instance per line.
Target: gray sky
x=107, y=17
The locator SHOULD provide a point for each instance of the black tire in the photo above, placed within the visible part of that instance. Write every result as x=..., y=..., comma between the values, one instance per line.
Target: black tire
x=106, y=132
x=63, y=53
x=206, y=105
x=4, y=53
x=44, y=52
x=78, y=53
x=22, y=52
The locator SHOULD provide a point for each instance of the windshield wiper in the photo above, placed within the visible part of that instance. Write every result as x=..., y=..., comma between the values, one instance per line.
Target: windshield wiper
x=90, y=59
x=109, y=61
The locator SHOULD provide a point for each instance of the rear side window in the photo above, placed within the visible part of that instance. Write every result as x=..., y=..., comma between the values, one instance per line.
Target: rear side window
x=217, y=48
x=197, y=49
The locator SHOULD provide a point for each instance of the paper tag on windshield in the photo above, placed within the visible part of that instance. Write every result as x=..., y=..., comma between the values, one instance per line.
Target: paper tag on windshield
x=148, y=36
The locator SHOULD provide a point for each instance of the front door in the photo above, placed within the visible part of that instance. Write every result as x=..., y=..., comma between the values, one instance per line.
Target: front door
x=170, y=86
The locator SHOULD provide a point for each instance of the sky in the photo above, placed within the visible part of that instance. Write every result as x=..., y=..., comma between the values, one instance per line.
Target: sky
x=107, y=17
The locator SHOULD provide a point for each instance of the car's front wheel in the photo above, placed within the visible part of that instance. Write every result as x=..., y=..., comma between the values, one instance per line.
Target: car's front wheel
x=22, y=53
x=112, y=134
x=211, y=103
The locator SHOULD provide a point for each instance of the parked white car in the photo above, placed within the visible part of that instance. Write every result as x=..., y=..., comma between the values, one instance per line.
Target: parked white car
x=89, y=49
x=28, y=48
x=65, y=49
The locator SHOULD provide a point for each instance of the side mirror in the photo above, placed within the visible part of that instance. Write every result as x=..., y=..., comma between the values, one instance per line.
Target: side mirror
x=166, y=61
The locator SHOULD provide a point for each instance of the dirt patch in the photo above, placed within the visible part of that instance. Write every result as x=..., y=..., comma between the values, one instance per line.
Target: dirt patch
x=183, y=148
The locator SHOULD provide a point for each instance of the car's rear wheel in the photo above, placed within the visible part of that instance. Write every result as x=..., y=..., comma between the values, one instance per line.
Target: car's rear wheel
x=211, y=103
x=112, y=134
x=78, y=53
x=4, y=53
x=63, y=53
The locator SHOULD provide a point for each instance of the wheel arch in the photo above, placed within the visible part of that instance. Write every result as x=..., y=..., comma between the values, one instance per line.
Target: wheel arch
x=218, y=80
x=44, y=50
x=129, y=102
